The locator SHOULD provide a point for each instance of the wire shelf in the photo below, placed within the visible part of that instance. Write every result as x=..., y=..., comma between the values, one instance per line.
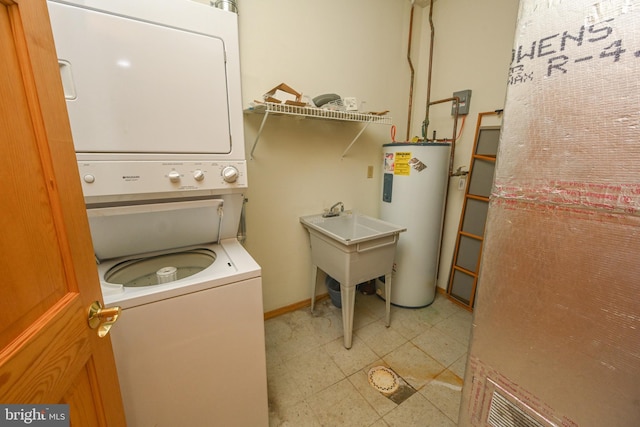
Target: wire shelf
x=270, y=108
x=318, y=113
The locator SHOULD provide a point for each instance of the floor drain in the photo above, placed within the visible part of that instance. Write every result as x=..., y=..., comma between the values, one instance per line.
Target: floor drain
x=383, y=379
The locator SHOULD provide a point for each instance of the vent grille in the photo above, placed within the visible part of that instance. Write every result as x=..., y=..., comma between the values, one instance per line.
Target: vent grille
x=504, y=413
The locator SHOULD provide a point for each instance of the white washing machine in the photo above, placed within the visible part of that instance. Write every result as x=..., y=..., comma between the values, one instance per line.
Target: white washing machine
x=189, y=344
x=154, y=100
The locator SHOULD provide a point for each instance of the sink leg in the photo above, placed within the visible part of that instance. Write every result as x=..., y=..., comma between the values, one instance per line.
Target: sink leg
x=387, y=297
x=348, y=296
x=314, y=274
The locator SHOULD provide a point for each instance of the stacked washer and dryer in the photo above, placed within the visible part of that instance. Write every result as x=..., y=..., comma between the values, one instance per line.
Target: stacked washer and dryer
x=154, y=100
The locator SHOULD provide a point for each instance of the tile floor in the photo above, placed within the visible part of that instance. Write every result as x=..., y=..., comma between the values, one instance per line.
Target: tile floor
x=314, y=381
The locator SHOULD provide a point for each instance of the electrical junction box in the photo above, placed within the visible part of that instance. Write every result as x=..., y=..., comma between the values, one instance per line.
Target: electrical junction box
x=465, y=102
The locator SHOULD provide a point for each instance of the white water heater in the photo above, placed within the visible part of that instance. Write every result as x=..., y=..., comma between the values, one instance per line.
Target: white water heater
x=413, y=195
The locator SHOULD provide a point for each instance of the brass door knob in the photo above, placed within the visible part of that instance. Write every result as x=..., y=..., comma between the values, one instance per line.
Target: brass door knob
x=102, y=318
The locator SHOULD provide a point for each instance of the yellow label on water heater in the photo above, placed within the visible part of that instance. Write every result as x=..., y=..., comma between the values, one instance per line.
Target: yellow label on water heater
x=402, y=166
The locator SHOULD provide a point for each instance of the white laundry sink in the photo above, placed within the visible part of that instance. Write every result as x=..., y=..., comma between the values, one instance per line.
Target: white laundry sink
x=352, y=248
x=350, y=228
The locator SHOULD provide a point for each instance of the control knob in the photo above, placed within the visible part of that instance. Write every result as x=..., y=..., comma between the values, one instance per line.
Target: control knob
x=230, y=174
x=198, y=175
x=174, y=176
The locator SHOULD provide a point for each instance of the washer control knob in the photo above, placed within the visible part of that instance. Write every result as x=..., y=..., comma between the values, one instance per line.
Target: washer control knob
x=198, y=175
x=89, y=179
x=230, y=174
x=174, y=176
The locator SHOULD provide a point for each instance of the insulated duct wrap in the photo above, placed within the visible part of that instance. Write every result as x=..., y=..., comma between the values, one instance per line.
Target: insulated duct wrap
x=557, y=322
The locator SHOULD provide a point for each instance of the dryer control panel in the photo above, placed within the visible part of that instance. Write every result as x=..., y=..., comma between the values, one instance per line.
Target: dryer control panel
x=107, y=178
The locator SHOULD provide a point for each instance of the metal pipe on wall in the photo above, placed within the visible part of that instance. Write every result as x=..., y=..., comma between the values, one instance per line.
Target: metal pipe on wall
x=412, y=72
x=425, y=126
x=456, y=100
x=425, y=123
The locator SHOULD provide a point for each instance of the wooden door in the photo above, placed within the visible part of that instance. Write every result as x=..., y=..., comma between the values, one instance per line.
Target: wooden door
x=48, y=278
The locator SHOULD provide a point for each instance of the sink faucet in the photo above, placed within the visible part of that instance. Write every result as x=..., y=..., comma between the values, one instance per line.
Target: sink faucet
x=333, y=210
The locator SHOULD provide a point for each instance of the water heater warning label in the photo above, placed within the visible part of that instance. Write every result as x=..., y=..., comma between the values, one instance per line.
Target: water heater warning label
x=402, y=166
x=388, y=162
x=417, y=164
x=401, y=163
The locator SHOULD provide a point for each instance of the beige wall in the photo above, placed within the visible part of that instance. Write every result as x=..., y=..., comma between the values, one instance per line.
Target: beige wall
x=473, y=42
x=353, y=48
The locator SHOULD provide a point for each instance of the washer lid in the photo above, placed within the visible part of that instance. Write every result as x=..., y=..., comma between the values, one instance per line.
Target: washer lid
x=138, y=229
x=160, y=269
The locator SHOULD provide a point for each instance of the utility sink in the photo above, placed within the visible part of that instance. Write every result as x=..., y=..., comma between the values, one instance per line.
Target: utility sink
x=352, y=248
x=350, y=228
